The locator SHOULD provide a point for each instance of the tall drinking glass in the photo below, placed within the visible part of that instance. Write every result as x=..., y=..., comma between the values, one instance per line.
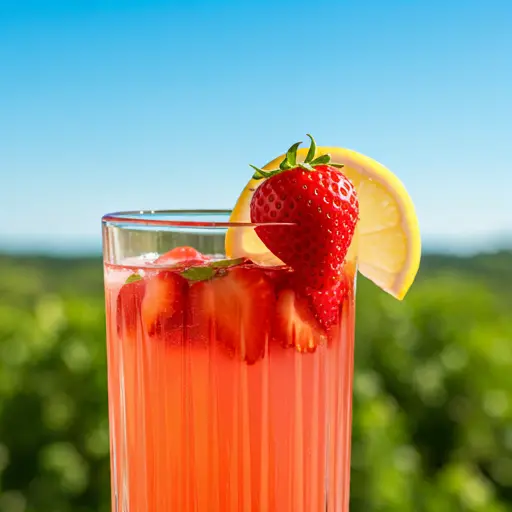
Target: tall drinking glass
x=204, y=421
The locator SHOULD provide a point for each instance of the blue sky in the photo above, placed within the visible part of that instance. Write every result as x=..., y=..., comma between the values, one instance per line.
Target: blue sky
x=118, y=105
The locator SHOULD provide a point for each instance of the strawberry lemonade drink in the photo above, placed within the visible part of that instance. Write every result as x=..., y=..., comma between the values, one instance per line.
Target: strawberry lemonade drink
x=230, y=336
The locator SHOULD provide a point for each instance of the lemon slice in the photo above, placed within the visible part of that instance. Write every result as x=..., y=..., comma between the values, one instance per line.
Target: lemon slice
x=388, y=236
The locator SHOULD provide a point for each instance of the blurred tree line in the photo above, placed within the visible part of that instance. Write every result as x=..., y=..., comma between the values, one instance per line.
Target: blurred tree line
x=432, y=393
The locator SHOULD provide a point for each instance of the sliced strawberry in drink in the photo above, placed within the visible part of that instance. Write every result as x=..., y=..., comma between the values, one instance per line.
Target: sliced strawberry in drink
x=183, y=254
x=294, y=322
x=236, y=308
x=281, y=277
x=163, y=304
x=128, y=307
x=199, y=312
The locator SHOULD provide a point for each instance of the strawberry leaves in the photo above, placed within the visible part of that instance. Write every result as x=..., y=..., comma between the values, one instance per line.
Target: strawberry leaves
x=311, y=151
x=290, y=161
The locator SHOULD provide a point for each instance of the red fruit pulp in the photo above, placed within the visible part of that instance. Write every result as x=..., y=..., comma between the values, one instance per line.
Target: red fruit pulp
x=163, y=305
x=128, y=308
x=238, y=306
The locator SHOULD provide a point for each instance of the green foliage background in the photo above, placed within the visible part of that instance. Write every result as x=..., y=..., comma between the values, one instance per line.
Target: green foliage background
x=432, y=392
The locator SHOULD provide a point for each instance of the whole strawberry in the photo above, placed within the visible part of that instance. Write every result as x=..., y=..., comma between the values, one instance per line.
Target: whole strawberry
x=319, y=204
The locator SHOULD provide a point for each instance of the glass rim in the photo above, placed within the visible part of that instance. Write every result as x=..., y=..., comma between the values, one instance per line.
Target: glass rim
x=143, y=217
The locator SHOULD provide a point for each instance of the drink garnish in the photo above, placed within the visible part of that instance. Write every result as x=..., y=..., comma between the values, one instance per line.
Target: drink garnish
x=321, y=204
x=388, y=244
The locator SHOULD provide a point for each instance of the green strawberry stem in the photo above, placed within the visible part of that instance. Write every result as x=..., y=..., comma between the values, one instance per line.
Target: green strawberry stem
x=312, y=149
x=290, y=161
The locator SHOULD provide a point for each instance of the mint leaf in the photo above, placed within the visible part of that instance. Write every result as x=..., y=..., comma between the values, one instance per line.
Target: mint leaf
x=215, y=268
x=227, y=263
x=133, y=278
x=198, y=273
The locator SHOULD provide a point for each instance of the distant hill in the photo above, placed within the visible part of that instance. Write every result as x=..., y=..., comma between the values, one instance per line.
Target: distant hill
x=493, y=269
x=85, y=273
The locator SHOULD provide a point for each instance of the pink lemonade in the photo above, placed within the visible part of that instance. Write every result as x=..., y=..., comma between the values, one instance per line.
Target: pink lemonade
x=225, y=393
